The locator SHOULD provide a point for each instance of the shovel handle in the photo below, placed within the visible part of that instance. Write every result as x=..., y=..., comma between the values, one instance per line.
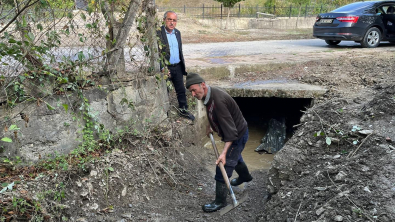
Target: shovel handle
x=224, y=174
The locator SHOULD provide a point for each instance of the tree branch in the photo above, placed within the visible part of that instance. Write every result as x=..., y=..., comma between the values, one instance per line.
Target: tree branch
x=16, y=16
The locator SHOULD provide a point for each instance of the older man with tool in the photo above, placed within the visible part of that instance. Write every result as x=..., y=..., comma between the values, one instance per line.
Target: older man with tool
x=226, y=119
x=170, y=37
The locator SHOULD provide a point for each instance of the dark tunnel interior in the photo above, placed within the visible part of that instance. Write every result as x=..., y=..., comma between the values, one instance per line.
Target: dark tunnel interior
x=259, y=110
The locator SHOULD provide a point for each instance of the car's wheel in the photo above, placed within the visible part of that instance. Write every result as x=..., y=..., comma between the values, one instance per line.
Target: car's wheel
x=332, y=42
x=372, y=38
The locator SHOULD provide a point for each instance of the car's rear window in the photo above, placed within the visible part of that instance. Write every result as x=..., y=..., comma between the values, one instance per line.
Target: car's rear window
x=353, y=7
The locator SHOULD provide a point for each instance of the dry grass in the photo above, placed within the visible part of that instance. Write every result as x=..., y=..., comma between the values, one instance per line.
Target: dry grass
x=195, y=32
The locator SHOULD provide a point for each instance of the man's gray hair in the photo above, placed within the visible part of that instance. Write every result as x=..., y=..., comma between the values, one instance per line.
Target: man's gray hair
x=165, y=15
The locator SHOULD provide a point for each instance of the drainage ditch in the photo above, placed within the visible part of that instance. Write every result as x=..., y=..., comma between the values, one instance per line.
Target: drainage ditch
x=259, y=112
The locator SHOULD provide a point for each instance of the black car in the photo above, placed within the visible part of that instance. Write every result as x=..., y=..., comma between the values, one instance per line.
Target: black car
x=367, y=23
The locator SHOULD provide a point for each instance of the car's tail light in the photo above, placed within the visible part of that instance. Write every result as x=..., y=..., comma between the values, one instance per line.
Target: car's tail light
x=352, y=19
x=318, y=18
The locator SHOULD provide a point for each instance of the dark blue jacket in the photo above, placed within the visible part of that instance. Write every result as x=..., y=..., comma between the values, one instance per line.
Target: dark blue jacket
x=166, y=49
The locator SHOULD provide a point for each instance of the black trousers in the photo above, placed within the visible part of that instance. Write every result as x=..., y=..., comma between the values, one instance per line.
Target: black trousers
x=233, y=157
x=178, y=81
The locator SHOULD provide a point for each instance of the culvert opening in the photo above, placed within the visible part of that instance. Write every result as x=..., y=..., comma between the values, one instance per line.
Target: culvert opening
x=275, y=116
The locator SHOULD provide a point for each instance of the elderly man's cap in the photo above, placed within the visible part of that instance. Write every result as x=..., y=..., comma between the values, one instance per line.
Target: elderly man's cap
x=193, y=78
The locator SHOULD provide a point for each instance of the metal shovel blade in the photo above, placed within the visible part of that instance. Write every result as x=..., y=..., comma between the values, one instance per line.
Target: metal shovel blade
x=230, y=207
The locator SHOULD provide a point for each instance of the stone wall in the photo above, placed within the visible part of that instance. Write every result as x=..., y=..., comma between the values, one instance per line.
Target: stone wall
x=261, y=23
x=282, y=23
x=50, y=131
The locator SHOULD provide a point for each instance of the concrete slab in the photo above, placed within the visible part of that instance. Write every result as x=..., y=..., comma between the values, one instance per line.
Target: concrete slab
x=272, y=88
x=221, y=63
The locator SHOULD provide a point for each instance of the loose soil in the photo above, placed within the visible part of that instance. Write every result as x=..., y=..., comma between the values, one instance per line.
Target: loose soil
x=158, y=176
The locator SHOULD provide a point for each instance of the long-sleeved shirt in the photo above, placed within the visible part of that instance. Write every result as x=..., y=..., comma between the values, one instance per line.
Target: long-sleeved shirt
x=224, y=115
x=173, y=44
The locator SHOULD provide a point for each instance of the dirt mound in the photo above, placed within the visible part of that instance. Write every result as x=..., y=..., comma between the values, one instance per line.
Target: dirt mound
x=343, y=154
x=382, y=103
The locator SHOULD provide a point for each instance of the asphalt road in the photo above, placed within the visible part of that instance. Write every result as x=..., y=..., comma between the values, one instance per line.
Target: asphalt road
x=211, y=54
x=259, y=47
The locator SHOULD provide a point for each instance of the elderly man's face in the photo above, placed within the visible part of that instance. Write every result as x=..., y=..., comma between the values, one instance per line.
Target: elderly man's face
x=197, y=90
x=170, y=21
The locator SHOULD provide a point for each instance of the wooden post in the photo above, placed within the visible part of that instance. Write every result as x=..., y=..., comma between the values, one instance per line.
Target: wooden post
x=184, y=9
x=257, y=9
x=290, y=11
x=239, y=10
x=221, y=10
x=257, y=16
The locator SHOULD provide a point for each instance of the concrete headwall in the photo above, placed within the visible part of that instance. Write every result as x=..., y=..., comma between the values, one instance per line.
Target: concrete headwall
x=261, y=23
x=50, y=131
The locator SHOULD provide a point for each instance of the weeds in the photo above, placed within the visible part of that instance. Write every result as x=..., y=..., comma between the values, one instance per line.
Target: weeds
x=21, y=209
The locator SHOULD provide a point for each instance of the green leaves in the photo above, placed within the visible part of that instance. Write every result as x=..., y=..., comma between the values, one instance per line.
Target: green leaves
x=83, y=16
x=49, y=106
x=39, y=26
x=13, y=127
x=63, y=80
x=229, y=3
x=129, y=103
x=328, y=140
x=8, y=187
x=43, y=3
x=66, y=107
x=6, y=139
x=319, y=133
x=30, y=36
x=81, y=56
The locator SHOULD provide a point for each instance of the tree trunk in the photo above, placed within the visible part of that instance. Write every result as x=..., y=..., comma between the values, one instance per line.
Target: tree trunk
x=115, y=56
x=297, y=19
x=227, y=19
x=152, y=38
x=113, y=25
x=113, y=28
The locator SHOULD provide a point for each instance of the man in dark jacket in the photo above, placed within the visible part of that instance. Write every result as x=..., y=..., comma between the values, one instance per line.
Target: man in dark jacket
x=226, y=119
x=171, y=49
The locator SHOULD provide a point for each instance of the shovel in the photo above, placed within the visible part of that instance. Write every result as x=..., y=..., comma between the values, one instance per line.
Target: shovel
x=225, y=176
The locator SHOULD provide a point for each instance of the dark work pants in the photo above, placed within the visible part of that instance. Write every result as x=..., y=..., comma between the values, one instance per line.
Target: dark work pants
x=178, y=82
x=233, y=157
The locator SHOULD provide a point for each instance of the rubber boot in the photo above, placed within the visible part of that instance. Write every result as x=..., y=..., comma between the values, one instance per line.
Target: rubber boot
x=244, y=175
x=221, y=192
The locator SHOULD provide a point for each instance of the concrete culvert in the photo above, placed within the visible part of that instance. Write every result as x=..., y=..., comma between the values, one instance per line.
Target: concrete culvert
x=271, y=123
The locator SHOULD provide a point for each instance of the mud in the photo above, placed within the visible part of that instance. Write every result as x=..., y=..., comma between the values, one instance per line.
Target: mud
x=254, y=160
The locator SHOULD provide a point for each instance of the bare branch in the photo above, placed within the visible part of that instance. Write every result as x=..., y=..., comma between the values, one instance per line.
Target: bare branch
x=16, y=16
